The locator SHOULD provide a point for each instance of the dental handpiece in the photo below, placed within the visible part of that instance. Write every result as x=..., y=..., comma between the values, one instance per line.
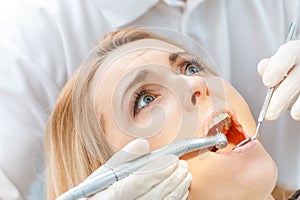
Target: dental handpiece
x=178, y=148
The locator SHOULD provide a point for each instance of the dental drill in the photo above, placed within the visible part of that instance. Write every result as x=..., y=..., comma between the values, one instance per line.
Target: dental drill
x=178, y=148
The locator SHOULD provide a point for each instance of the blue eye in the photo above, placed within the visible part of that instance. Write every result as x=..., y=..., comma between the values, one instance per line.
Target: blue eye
x=144, y=101
x=191, y=69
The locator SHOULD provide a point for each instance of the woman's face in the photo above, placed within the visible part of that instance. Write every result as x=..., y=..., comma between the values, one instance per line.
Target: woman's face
x=165, y=94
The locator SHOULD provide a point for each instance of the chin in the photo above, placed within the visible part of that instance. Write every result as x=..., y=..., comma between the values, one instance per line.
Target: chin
x=251, y=174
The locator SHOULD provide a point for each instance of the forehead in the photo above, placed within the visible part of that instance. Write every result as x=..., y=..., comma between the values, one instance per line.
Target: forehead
x=138, y=53
x=141, y=58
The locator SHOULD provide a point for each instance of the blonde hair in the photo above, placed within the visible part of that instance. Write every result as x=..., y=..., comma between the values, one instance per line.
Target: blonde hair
x=75, y=144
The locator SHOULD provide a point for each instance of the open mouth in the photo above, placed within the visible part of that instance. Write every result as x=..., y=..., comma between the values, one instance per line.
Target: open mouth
x=230, y=127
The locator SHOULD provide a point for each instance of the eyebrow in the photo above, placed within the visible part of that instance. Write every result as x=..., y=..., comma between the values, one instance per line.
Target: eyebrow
x=142, y=75
x=173, y=57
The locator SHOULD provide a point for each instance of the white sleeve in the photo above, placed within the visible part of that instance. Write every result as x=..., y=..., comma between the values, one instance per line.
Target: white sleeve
x=41, y=44
x=7, y=190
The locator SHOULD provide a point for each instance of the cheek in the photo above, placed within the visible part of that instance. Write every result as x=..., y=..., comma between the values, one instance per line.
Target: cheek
x=169, y=130
x=159, y=124
x=115, y=137
x=116, y=128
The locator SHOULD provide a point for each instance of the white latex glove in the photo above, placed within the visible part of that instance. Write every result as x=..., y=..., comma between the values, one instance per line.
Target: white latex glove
x=283, y=68
x=164, y=178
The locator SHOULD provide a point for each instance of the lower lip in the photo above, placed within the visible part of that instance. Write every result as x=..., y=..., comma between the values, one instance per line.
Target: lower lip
x=246, y=147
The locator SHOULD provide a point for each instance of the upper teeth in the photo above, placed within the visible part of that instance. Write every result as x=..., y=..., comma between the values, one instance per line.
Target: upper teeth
x=217, y=119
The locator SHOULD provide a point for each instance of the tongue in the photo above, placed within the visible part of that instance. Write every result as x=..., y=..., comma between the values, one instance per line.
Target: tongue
x=235, y=135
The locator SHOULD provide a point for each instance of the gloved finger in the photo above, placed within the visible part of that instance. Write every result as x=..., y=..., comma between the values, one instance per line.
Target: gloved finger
x=281, y=63
x=138, y=184
x=262, y=65
x=131, y=151
x=295, y=111
x=284, y=95
x=172, y=183
x=182, y=191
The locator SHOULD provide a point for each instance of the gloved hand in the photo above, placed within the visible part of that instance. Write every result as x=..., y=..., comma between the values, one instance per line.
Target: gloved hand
x=164, y=178
x=283, y=68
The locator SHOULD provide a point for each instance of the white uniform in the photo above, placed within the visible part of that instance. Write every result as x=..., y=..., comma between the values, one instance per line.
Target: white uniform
x=43, y=42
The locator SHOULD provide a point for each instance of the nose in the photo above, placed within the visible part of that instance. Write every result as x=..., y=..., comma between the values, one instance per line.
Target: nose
x=197, y=91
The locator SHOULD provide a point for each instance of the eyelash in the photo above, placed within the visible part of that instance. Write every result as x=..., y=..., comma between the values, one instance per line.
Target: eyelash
x=138, y=94
x=194, y=61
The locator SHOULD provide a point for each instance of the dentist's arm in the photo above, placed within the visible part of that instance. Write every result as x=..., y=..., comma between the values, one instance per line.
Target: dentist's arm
x=41, y=44
x=8, y=190
x=283, y=69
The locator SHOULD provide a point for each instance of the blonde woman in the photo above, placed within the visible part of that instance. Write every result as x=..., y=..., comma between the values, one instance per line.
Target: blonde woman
x=136, y=84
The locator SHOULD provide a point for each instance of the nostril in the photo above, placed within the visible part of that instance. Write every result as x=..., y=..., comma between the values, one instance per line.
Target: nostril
x=194, y=96
x=197, y=94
